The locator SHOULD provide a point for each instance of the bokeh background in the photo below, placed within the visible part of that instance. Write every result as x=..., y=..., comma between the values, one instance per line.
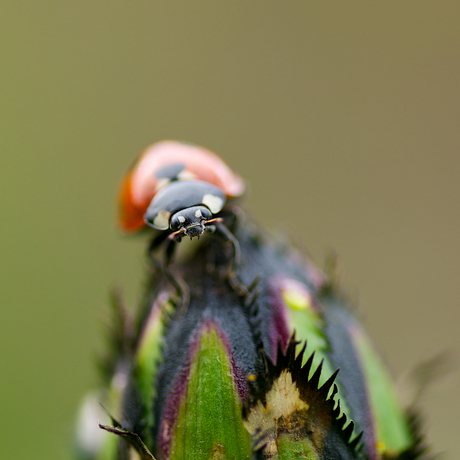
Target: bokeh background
x=344, y=117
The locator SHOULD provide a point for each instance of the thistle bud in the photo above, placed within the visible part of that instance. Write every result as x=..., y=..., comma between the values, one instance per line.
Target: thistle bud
x=277, y=368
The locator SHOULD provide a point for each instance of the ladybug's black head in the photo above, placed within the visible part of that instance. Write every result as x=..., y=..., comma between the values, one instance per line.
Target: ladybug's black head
x=191, y=221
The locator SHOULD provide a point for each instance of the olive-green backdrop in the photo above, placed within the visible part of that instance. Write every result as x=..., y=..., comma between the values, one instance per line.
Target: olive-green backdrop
x=344, y=117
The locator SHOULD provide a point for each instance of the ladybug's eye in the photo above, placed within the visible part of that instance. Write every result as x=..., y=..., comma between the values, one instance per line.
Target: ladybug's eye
x=177, y=221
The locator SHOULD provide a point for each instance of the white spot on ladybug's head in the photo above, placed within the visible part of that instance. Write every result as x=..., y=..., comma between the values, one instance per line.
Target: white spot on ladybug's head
x=161, y=220
x=213, y=202
x=198, y=213
x=181, y=219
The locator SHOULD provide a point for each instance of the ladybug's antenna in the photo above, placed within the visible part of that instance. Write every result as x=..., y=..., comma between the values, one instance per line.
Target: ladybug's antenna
x=176, y=236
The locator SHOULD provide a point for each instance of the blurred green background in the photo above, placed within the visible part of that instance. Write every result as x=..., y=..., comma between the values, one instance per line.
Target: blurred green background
x=344, y=117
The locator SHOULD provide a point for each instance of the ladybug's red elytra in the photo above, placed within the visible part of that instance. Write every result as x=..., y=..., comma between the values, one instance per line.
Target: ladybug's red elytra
x=158, y=168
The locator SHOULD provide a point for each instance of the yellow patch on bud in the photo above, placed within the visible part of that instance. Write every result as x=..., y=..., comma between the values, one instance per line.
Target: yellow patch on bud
x=296, y=295
x=283, y=401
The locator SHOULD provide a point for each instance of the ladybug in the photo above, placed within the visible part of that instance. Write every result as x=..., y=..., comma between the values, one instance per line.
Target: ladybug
x=169, y=180
x=180, y=189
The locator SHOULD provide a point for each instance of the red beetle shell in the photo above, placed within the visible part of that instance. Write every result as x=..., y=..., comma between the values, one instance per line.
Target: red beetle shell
x=141, y=184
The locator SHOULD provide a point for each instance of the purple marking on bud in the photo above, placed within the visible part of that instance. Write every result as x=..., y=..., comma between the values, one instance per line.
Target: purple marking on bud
x=317, y=277
x=278, y=288
x=278, y=325
x=172, y=408
x=179, y=388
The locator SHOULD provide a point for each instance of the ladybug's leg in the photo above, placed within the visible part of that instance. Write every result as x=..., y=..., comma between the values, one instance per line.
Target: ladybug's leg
x=178, y=283
x=231, y=215
x=154, y=244
x=227, y=235
x=169, y=242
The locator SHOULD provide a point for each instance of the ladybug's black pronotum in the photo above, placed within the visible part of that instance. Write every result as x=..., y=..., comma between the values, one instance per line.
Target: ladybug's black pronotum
x=185, y=207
